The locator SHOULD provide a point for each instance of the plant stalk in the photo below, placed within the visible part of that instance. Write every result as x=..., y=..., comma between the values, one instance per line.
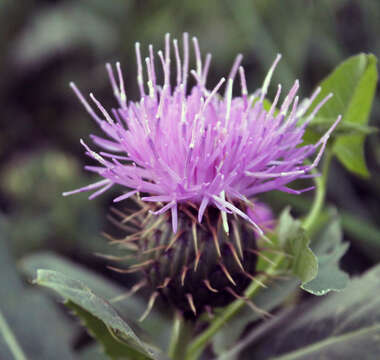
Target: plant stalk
x=181, y=334
x=320, y=194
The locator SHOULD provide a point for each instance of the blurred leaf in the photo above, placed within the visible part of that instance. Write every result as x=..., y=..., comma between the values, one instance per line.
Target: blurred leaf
x=293, y=238
x=364, y=233
x=251, y=28
x=113, y=347
x=342, y=325
x=267, y=299
x=41, y=216
x=156, y=325
x=93, y=352
x=329, y=250
x=57, y=29
x=353, y=84
x=82, y=296
x=29, y=323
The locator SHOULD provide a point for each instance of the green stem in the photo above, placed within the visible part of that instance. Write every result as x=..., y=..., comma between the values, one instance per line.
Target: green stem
x=196, y=347
x=320, y=194
x=179, y=338
x=10, y=339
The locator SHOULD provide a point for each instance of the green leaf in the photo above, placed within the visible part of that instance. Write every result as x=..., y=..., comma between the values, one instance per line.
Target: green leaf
x=113, y=346
x=293, y=238
x=156, y=324
x=347, y=82
x=329, y=249
x=343, y=325
x=82, y=296
x=353, y=84
x=350, y=151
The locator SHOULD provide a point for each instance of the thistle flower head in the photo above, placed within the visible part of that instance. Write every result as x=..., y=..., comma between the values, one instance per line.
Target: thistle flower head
x=196, y=145
x=198, y=152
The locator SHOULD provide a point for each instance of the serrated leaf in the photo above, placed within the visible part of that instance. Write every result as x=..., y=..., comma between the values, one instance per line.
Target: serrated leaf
x=342, y=325
x=304, y=262
x=329, y=250
x=82, y=296
x=353, y=84
x=294, y=239
x=113, y=347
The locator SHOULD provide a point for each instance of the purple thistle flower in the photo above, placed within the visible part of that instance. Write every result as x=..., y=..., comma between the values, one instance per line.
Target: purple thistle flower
x=198, y=146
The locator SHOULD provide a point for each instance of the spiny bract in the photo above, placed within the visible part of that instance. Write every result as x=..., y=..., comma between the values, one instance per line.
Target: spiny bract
x=198, y=268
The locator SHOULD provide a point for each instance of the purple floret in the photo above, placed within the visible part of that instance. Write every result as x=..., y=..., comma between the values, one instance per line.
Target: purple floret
x=178, y=144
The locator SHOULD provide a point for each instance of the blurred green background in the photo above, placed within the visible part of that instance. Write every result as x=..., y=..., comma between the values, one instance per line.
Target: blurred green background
x=46, y=44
